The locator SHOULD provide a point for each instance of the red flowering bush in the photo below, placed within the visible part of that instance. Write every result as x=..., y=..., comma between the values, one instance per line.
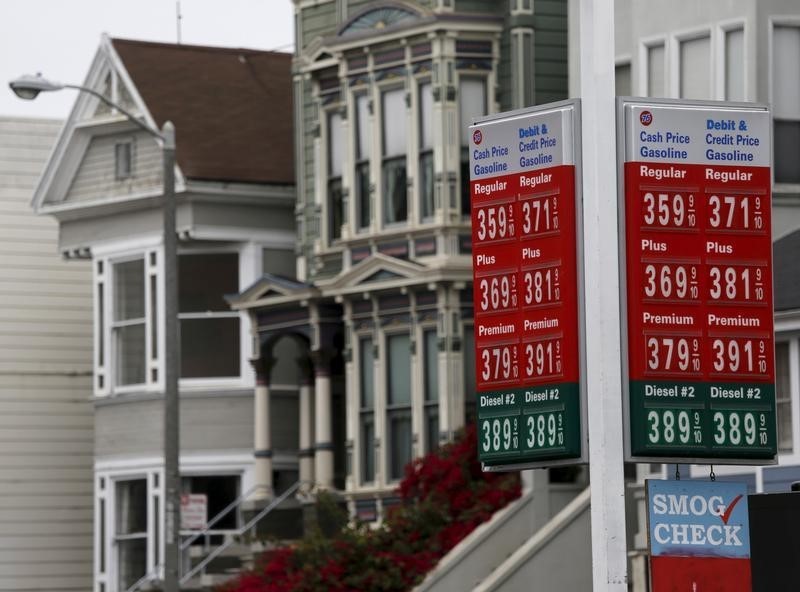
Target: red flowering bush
x=444, y=496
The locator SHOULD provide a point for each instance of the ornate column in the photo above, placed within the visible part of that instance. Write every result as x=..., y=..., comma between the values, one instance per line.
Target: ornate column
x=323, y=424
x=306, y=452
x=263, y=436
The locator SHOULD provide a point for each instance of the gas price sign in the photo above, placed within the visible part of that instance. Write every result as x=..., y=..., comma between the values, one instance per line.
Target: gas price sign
x=698, y=267
x=525, y=224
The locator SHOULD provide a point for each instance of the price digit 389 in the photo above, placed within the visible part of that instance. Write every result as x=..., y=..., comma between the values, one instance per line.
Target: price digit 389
x=499, y=434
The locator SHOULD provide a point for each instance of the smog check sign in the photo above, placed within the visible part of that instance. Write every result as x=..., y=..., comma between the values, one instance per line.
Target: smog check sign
x=525, y=256
x=698, y=535
x=697, y=244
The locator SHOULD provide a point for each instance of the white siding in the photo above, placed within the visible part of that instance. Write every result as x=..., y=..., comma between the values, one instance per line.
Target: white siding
x=46, y=430
x=95, y=177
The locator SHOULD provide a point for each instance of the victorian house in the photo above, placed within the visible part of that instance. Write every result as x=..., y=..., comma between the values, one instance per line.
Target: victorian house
x=382, y=300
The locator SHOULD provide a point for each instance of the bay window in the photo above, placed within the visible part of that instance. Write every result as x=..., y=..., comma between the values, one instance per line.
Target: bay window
x=128, y=323
x=656, y=70
x=367, y=409
x=426, y=202
x=398, y=403
x=335, y=160
x=393, y=173
x=472, y=103
x=362, y=183
x=130, y=532
x=210, y=343
x=785, y=103
x=734, y=65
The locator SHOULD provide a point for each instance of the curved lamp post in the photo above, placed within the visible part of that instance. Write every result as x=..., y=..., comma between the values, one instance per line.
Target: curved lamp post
x=28, y=87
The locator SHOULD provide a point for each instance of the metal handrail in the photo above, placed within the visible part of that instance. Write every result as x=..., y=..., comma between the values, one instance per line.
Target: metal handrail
x=253, y=521
x=153, y=573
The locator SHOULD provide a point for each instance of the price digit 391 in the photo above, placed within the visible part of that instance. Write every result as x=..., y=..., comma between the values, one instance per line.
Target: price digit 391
x=499, y=434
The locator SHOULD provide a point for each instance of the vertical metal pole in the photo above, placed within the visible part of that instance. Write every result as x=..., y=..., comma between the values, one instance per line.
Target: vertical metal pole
x=609, y=561
x=172, y=481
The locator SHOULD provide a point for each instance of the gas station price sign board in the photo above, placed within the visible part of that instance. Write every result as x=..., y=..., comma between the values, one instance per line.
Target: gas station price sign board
x=696, y=246
x=525, y=254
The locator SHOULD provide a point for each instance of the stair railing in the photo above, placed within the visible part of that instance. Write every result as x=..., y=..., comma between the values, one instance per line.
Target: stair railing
x=153, y=574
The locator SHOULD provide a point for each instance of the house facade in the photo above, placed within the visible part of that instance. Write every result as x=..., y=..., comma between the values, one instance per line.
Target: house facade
x=46, y=425
x=235, y=220
x=383, y=299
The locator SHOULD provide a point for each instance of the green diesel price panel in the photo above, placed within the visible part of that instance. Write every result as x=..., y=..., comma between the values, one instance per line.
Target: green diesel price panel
x=698, y=276
x=525, y=289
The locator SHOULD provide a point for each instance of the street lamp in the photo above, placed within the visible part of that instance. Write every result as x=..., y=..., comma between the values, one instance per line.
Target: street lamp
x=28, y=87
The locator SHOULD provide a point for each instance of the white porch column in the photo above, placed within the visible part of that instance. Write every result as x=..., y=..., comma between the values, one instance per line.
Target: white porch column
x=262, y=448
x=323, y=419
x=306, y=452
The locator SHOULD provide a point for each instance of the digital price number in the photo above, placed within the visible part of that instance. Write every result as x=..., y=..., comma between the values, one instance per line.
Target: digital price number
x=739, y=356
x=541, y=286
x=495, y=222
x=542, y=358
x=737, y=428
x=735, y=212
x=544, y=430
x=736, y=283
x=499, y=434
x=497, y=292
x=498, y=364
x=674, y=426
x=669, y=210
x=539, y=214
x=670, y=281
x=670, y=354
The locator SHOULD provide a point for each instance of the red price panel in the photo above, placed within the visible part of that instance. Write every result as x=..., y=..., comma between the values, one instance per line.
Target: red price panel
x=699, y=311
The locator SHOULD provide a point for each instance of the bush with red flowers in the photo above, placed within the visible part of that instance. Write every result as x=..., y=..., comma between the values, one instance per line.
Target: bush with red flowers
x=444, y=496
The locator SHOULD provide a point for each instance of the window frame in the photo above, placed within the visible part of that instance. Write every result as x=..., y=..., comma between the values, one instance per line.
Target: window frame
x=333, y=233
x=721, y=33
x=645, y=45
x=364, y=447
x=119, y=173
x=674, y=57
x=387, y=159
x=425, y=153
x=775, y=22
x=362, y=161
x=394, y=410
x=463, y=142
x=430, y=404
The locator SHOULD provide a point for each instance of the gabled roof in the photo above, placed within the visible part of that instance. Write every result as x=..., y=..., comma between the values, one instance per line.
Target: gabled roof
x=232, y=108
x=271, y=289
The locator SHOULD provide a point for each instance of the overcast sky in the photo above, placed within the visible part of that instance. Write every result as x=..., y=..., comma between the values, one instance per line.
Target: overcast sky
x=59, y=37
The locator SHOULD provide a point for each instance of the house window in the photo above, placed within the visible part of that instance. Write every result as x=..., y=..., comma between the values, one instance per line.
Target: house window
x=785, y=104
x=783, y=396
x=472, y=104
x=622, y=79
x=734, y=65
x=130, y=533
x=123, y=160
x=398, y=404
x=431, y=346
x=695, y=68
x=367, y=405
x=220, y=491
x=363, y=197
x=335, y=193
x=129, y=322
x=395, y=199
x=210, y=342
x=656, y=71
x=426, y=151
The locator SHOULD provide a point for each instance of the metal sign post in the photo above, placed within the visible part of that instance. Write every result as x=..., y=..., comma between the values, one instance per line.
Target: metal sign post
x=609, y=558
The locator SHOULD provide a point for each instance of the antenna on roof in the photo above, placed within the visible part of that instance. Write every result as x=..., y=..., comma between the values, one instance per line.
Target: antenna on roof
x=179, y=17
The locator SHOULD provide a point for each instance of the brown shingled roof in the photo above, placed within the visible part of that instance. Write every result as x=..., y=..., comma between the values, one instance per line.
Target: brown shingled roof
x=232, y=108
